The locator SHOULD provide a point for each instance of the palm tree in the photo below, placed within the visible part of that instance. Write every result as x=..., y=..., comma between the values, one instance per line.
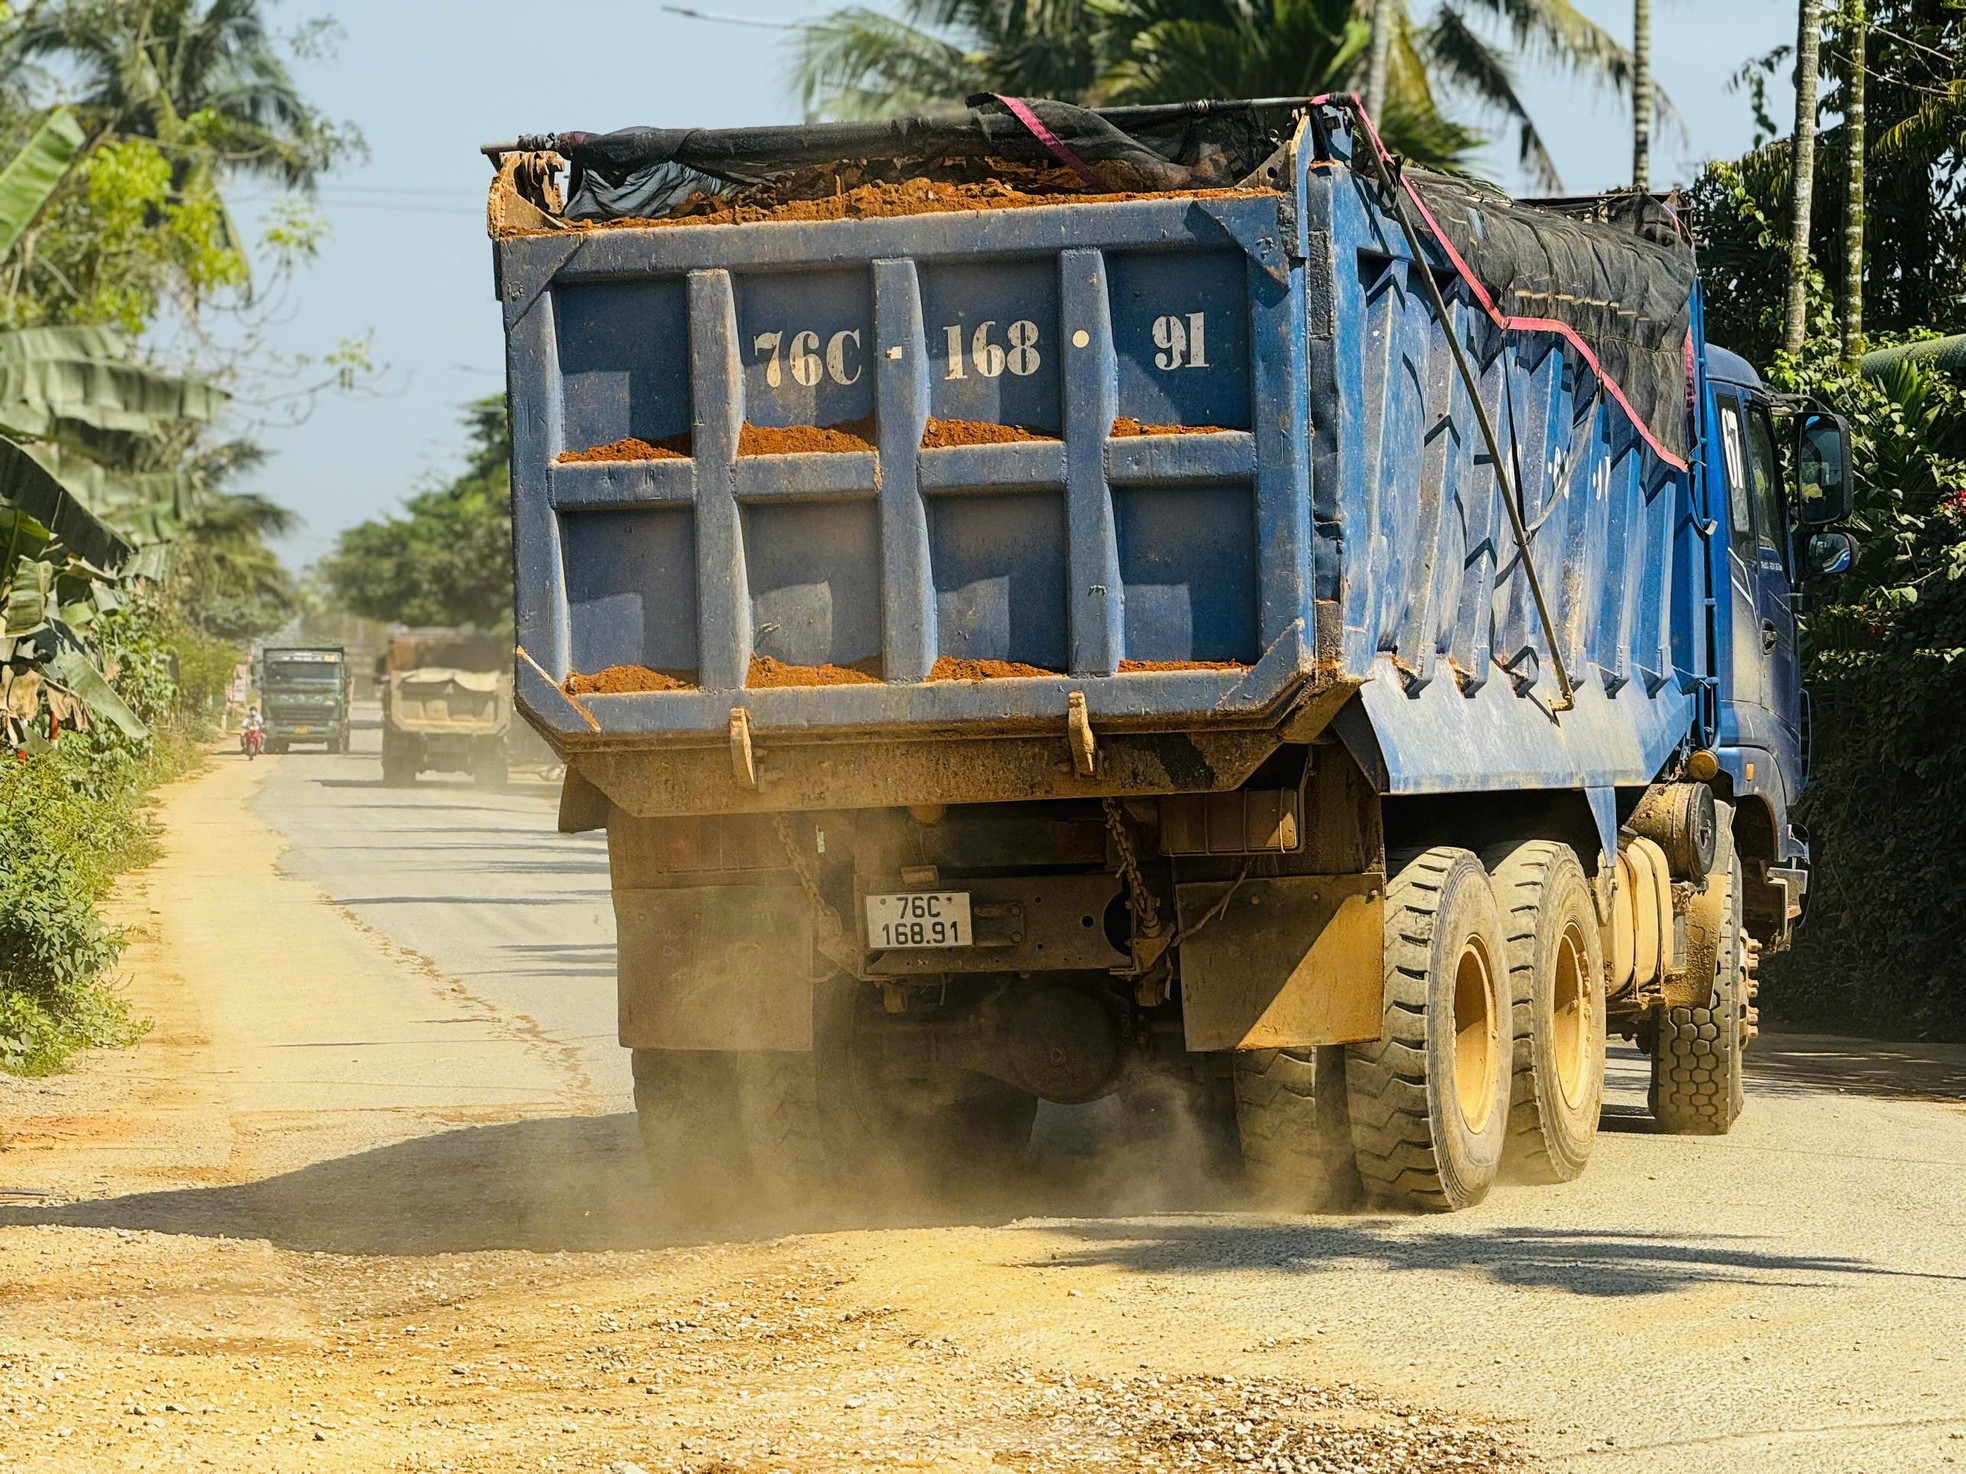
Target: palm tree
x=1802, y=171
x=203, y=77
x=1857, y=31
x=1642, y=95
x=860, y=62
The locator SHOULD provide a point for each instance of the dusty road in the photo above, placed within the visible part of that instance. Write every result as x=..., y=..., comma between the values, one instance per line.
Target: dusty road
x=365, y=1199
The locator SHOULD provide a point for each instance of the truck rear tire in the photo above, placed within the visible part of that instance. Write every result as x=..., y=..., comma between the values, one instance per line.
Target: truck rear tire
x=398, y=761
x=1429, y=1101
x=1556, y=980
x=726, y=1129
x=1697, y=1087
x=488, y=767
x=1295, y=1129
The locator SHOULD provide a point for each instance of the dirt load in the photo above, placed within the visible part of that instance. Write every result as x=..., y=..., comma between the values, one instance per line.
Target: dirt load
x=1126, y=426
x=848, y=191
x=766, y=672
x=949, y=668
x=1143, y=667
x=942, y=434
x=625, y=680
x=781, y=440
x=670, y=448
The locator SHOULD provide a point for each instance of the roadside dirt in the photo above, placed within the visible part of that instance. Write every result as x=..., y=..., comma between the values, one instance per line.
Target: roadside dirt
x=341, y=1212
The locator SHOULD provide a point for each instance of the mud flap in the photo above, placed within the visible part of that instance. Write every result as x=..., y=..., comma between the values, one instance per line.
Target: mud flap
x=1283, y=963
x=724, y=967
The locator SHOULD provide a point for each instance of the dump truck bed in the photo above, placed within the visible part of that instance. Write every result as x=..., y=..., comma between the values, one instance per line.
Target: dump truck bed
x=1131, y=492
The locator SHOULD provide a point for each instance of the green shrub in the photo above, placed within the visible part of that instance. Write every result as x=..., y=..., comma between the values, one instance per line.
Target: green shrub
x=1885, y=652
x=72, y=820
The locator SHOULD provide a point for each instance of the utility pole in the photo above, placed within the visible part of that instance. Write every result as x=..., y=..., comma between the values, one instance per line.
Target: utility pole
x=1642, y=95
x=1857, y=31
x=1808, y=48
x=1385, y=17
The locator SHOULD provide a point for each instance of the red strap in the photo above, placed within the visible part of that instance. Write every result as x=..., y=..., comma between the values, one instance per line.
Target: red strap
x=1501, y=319
x=1053, y=144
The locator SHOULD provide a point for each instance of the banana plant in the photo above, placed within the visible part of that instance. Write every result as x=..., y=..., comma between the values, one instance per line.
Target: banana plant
x=58, y=569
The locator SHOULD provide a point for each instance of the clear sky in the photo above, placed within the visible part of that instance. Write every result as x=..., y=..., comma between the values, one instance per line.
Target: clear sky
x=427, y=81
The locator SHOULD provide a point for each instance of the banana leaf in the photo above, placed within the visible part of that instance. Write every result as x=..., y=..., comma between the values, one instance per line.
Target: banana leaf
x=26, y=484
x=72, y=667
x=35, y=173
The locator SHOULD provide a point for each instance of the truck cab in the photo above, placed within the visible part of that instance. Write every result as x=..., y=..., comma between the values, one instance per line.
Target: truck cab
x=304, y=696
x=1766, y=512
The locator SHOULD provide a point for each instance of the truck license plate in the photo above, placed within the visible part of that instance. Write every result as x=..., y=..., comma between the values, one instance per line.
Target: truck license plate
x=300, y=731
x=919, y=919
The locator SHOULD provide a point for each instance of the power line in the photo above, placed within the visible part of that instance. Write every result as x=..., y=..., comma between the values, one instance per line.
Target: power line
x=733, y=20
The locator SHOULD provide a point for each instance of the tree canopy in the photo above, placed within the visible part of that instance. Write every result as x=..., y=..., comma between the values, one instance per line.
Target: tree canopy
x=447, y=558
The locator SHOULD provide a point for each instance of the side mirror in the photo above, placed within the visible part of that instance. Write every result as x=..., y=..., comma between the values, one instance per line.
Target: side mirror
x=1822, y=470
x=1829, y=553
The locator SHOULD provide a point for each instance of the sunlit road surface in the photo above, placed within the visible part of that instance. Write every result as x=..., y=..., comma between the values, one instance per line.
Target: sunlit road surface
x=477, y=882
x=368, y=1197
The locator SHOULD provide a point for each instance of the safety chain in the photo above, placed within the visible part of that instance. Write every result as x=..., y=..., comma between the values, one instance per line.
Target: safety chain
x=832, y=931
x=1146, y=910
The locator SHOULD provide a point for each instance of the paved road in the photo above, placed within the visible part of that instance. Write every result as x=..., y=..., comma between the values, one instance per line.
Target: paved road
x=342, y=1193
x=478, y=883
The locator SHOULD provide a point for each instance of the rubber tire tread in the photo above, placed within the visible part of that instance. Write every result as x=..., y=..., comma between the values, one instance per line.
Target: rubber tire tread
x=1412, y=1149
x=1697, y=1087
x=1294, y=1126
x=1540, y=1148
x=723, y=1127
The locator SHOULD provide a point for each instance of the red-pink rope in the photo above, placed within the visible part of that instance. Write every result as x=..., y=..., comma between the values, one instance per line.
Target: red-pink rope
x=1053, y=144
x=1501, y=319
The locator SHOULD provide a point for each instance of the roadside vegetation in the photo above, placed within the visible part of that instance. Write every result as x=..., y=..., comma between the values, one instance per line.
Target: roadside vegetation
x=132, y=574
x=446, y=558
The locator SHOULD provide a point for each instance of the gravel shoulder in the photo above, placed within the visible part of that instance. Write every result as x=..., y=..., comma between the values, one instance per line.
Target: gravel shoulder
x=345, y=1210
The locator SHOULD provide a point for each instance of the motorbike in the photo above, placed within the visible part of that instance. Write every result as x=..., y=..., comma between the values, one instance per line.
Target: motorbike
x=252, y=742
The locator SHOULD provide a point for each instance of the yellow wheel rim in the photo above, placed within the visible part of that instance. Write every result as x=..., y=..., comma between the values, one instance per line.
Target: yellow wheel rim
x=1477, y=1034
x=1571, y=1017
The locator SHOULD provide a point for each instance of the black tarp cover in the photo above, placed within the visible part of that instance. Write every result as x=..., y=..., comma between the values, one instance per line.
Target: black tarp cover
x=1616, y=272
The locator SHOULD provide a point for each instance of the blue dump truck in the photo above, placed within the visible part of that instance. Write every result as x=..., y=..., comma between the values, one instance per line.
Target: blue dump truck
x=1050, y=603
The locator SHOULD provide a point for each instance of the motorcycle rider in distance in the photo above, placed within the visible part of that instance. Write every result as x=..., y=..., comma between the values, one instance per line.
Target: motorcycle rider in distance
x=252, y=737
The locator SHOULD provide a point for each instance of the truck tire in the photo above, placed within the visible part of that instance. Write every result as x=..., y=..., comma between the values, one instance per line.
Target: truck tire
x=730, y=1129
x=1697, y=1087
x=1295, y=1129
x=1429, y=1100
x=488, y=768
x=726, y=1130
x=398, y=761
x=1556, y=981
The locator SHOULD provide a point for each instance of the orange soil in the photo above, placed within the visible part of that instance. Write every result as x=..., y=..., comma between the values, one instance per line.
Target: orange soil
x=829, y=199
x=670, y=448
x=943, y=433
x=775, y=440
x=1133, y=667
x=949, y=668
x=618, y=680
x=1124, y=427
x=768, y=672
